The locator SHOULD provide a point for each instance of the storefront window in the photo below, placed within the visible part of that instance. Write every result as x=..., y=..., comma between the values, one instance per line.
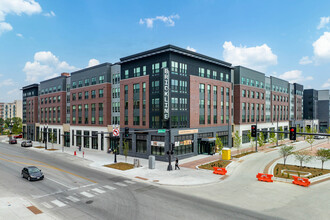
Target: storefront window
x=183, y=144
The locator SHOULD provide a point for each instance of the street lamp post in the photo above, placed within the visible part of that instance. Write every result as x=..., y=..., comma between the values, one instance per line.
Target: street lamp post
x=45, y=136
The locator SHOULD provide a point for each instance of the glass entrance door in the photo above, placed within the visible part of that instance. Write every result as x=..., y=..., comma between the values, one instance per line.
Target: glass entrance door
x=206, y=147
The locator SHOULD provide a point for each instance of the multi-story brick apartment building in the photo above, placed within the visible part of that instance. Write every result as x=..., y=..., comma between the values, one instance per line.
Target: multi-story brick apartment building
x=170, y=87
x=259, y=99
x=30, y=111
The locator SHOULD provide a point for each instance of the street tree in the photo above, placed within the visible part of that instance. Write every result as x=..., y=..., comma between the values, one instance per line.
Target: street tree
x=261, y=139
x=323, y=155
x=17, y=125
x=237, y=141
x=125, y=149
x=285, y=151
x=280, y=135
x=272, y=138
x=251, y=139
x=302, y=157
x=310, y=138
x=51, y=139
x=218, y=144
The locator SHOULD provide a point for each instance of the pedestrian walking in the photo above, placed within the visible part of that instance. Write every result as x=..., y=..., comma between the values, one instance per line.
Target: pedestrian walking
x=79, y=147
x=177, y=164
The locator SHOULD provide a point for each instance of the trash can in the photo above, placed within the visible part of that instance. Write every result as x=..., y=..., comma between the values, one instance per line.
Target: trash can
x=226, y=154
x=151, y=162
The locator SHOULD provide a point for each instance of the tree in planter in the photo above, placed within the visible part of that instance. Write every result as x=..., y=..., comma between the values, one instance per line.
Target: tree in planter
x=272, y=138
x=52, y=139
x=310, y=138
x=285, y=151
x=237, y=141
x=125, y=149
x=261, y=139
x=218, y=145
x=251, y=139
x=302, y=156
x=280, y=135
x=323, y=155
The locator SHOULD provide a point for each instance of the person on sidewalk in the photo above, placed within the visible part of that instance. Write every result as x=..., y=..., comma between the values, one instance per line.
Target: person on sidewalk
x=79, y=147
x=177, y=163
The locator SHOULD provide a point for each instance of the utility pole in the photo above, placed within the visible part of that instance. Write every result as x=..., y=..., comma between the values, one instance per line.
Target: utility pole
x=277, y=133
x=256, y=135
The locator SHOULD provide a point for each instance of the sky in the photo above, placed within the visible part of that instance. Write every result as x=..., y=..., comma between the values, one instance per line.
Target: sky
x=40, y=39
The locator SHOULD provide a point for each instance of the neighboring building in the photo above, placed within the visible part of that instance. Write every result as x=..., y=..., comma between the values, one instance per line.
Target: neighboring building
x=296, y=105
x=310, y=104
x=195, y=102
x=30, y=111
x=11, y=110
x=260, y=100
x=323, y=110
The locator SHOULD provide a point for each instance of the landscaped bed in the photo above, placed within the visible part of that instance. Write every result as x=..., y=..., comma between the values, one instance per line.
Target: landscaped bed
x=120, y=166
x=52, y=149
x=243, y=154
x=39, y=147
x=218, y=163
x=288, y=171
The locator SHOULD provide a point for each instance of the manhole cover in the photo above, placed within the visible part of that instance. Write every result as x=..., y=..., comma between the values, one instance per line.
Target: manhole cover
x=89, y=202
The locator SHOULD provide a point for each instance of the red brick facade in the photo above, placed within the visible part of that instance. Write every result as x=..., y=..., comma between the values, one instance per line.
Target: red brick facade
x=54, y=103
x=32, y=109
x=105, y=100
x=195, y=81
x=298, y=110
x=130, y=82
x=282, y=101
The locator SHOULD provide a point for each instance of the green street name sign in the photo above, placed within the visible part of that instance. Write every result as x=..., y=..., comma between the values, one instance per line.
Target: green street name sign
x=161, y=131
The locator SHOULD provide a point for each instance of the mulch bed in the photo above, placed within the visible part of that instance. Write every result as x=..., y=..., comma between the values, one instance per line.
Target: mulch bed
x=52, y=149
x=243, y=154
x=120, y=166
x=296, y=170
x=39, y=147
x=218, y=163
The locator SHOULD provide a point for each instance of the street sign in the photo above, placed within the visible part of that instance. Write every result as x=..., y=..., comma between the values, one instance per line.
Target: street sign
x=115, y=132
x=161, y=131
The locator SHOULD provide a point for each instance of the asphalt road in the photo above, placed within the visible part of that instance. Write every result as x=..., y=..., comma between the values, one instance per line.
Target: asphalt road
x=71, y=190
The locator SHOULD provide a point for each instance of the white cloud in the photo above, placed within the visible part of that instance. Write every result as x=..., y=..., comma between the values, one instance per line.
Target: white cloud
x=50, y=14
x=5, y=27
x=258, y=57
x=93, y=62
x=191, y=49
x=305, y=60
x=167, y=20
x=323, y=22
x=7, y=82
x=326, y=84
x=295, y=76
x=322, y=47
x=45, y=66
x=19, y=35
x=17, y=7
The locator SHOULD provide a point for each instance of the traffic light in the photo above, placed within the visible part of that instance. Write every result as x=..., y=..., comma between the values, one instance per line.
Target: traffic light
x=293, y=133
x=126, y=131
x=253, y=130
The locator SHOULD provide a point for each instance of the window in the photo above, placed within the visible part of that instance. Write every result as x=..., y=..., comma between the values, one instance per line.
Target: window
x=201, y=71
x=155, y=104
x=86, y=95
x=136, y=88
x=221, y=76
x=136, y=120
x=93, y=94
x=174, y=67
x=243, y=93
x=201, y=88
x=86, y=113
x=136, y=71
x=80, y=84
x=93, y=113
x=155, y=68
x=155, y=86
x=126, y=89
x=183, y=69
x=74, y=85
x=174, y=85
x=215, y=75
x=252, y=95
x=86, y=82
x=164, y=64
x=100, y=93
x=243, y=81
x=58, y=98
x=79, y=95
x=101, y=79
x=144, y=70
x=126, y=74
x=94, y=81
x=227, y=77
x=175, y=104
x=208, y=73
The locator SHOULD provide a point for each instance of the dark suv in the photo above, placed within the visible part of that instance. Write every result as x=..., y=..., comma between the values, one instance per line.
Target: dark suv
x=32, y=173
x=13, y=141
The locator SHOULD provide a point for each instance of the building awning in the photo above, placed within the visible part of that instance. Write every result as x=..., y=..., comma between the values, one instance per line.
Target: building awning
x=209, y=139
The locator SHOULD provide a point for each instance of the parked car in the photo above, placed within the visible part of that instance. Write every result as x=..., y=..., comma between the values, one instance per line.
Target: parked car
x=27, y=143
x=13, y=141
x=32, y=173
x=18, y=136
x=319, y=137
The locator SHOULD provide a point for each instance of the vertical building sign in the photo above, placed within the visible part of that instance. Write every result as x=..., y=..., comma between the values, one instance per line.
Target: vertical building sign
x=166, y=94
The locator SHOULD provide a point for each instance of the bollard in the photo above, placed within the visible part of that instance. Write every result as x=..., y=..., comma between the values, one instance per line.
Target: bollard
x=74, y=153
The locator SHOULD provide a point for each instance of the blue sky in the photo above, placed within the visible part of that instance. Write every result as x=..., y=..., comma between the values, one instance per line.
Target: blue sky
x=42, y=38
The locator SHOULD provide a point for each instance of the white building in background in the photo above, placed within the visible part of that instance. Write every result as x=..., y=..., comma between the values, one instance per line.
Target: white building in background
x=11, y=110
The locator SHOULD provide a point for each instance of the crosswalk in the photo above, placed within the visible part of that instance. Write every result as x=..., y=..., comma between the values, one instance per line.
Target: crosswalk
x=63, y=201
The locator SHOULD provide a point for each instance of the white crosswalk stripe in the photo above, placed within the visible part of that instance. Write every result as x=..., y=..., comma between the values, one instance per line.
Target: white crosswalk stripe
x=49, y=206
x=58, y=203
x=109, y=187
x=128, y=181
x=120, y=184
x=98, y=190
x=89, y=195
x=73, y=199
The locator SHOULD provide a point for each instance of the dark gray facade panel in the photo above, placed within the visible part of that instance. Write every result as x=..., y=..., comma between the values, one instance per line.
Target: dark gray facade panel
x=95, y=71
x=54, y=82
x=247, y=73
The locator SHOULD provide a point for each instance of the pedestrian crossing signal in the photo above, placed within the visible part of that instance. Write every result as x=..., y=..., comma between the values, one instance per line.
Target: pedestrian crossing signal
x=293, y=133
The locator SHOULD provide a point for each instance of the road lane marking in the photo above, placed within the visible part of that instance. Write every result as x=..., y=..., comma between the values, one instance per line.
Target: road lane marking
x=49, y=206
x=98, y=190
x=88, y=195
x=109, y=187
x=50, y=194
x=58, y=203
x=120, y=184
x=128, y=181
x=55, y=181
x=79, y=187
x=73, y=199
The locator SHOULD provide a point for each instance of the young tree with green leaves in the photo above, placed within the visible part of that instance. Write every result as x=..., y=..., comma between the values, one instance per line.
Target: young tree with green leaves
x=280, y=135
x=323, y=155
x=218, y=144
x=52, y=139
x=272, y=138
x=237, y=141
x=261, y=139
x=310, y=138
x=251, y=139
x=125, y=149
x=302, y=156
x=285, y=151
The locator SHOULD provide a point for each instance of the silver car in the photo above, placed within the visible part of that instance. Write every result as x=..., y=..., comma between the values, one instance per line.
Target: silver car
x=26, y=143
